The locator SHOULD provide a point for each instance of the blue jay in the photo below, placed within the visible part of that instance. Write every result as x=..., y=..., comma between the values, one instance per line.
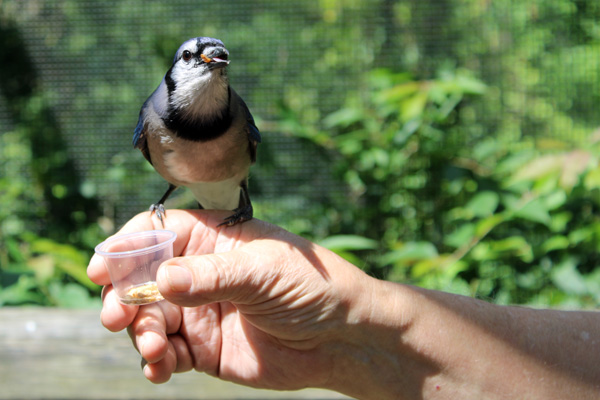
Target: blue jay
x=197, y=132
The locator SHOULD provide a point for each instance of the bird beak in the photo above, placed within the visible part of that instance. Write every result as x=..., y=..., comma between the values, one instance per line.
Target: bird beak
x=215, y=62
x=220, y=60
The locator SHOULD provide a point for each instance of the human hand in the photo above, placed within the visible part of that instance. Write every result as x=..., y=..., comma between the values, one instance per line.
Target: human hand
x=252, y=303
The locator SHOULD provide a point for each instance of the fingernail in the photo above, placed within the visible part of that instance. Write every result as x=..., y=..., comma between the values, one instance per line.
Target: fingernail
x=179, y=278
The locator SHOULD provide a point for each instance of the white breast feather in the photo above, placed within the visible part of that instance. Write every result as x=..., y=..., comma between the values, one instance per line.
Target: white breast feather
x=204, y=95
x=224, y=195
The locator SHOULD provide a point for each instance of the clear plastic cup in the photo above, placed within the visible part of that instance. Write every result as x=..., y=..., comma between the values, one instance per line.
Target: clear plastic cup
x=132, y=261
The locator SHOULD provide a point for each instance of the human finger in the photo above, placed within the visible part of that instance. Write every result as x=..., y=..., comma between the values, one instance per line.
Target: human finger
x=198, y=280
x=150, y=328
x=115, y=316
x=161, y=370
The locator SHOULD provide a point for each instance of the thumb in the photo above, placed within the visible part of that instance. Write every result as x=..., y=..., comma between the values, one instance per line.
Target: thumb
x=197, y=280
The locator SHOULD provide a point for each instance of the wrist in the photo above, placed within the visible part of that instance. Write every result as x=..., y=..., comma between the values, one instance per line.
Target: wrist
x=371, y=360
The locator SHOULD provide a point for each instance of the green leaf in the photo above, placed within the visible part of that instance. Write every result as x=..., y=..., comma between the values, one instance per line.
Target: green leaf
x=592, y=179
x=538, y=168
x=513, y=161
x=482, y=251
x=483, y=203
x=567, y=278
x=485, y=149
x=411, y=252
x=22, y=292
x=348, y=242
x=470, y=85
x=67, y=258
x=560, y=221
x=460, y=236
x=516, y=245
x=535, y=211
x=399, y=92
x=343, y=118
x=555, y=200
x=489, y=223
x=13, y=250
x=528, y=280
x=413, y=107
x=583, y=234
x=557, y=242
x=71, y=295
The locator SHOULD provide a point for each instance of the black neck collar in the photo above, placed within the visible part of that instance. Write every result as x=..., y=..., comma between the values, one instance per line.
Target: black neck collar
x=199, y=129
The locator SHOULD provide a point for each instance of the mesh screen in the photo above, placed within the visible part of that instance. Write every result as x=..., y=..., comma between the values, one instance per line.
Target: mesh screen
x=97, y=61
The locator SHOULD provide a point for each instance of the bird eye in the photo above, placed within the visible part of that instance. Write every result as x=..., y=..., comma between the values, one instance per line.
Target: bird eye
x=187, y=55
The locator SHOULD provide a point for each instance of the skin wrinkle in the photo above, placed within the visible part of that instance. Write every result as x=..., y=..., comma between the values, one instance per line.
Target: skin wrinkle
x=296, y=298
x=313, y=313
x=199, y=238
x=275, y=301
x=227, y=238
x=298, y=295
x=254, y=289
x=254, y=276
x=305, y=318
x=211, y=317
x=233, y=343
x=250, y=277
x=284, y=300
x=219, y=267
x=264, y=343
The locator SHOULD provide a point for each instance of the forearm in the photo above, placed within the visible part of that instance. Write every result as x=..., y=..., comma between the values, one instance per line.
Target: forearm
x=489, y=351
x=407, y=342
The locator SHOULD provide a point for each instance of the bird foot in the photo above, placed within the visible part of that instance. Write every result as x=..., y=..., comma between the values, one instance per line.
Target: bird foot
x=241, y=214
x=159, y=210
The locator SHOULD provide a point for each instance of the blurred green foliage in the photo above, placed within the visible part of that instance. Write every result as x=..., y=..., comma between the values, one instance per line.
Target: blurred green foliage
x=451, y=144
x=513, y=226
x=46, y=221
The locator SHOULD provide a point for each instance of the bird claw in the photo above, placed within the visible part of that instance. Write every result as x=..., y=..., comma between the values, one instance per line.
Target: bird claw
x=241, y=214
x=159, y=210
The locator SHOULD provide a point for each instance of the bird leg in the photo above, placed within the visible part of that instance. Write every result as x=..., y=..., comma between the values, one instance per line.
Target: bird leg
x=244, y=212
x=159, y=207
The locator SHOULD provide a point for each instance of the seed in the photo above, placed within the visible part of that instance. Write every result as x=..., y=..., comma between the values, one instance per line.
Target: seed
x=142, y=294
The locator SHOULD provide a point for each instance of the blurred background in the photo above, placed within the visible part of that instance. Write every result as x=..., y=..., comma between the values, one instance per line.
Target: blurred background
x=451, y=144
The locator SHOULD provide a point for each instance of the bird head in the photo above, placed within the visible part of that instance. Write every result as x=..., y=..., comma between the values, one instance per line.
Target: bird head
x=202, y=54
x=197, y=79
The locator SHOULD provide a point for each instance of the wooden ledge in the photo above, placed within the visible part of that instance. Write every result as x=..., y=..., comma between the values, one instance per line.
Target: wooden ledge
x=48, y=353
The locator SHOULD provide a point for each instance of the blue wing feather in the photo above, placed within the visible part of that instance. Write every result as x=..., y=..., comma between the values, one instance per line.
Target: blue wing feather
x=253, y=131
x=139, y=134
